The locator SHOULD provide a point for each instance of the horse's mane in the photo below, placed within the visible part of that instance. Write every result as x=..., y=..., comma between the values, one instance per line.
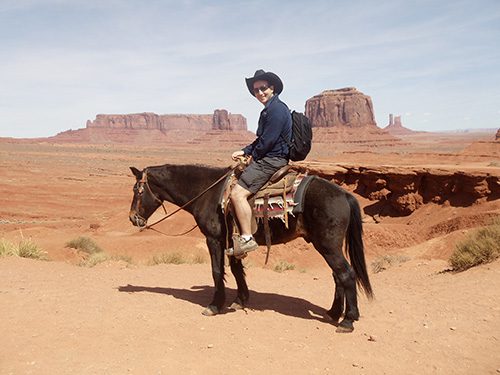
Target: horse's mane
x=199, y=170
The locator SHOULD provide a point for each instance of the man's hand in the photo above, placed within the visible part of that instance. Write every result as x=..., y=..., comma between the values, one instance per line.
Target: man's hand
x=237, y=155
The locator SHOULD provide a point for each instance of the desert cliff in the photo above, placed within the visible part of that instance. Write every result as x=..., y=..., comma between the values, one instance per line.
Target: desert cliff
x=346, y=107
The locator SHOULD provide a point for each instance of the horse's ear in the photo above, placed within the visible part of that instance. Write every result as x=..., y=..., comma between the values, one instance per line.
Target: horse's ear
x=137, y=173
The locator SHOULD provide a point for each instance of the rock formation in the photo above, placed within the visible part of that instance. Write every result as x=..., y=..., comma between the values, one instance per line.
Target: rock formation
x=345, y=107
x=497, y=137
x=344, y=117
x=220, y=128
x=220, y=120
x=395, y=127
x=399, y=191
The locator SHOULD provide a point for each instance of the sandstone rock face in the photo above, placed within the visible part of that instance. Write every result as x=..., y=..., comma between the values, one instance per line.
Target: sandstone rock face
x=220, y=120
x=497, y=137
x=398, y=191
x=395, y=127
x=223, y=120
x=345, y=107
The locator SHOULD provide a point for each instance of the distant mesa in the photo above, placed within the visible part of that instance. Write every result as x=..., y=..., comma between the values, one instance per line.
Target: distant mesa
x=396, y=128
x=345, y=116
x=219, y=120
x=151, y=128
x=346, y=107
x=497, y=137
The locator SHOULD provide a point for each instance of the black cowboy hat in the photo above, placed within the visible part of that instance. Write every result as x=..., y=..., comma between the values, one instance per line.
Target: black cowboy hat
x=270, y=77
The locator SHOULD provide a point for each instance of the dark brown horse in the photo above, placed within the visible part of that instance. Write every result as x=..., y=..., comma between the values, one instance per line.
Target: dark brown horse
x=330, y=215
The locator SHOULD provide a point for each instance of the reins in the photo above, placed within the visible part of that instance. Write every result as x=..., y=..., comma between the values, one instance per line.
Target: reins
x=149, y=226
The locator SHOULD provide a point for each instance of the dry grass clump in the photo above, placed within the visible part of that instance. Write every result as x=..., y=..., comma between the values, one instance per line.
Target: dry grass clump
x=176, y=258
x=85, y=244
x=94, y=259
x=25, y=248
x=481, y=246
x=385, y=261
x=283, y=265
x=93, y=253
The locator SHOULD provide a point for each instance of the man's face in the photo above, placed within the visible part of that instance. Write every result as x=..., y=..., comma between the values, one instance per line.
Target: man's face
x=263, y=91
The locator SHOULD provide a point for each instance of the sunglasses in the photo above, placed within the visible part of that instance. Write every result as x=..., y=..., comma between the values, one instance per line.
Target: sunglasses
x=261, y=89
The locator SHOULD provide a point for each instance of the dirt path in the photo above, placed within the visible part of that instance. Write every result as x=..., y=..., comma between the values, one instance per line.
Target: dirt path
x=57, y=318
x=116, y=318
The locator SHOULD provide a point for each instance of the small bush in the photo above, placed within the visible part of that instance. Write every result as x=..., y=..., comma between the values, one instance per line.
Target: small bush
x=168, y=258
x=385, y=261
x=94, y=254
x=24, y=249
x=93, y=259
x=85, y=244
x=199, y=259
x=282, y=266
x=5, y=247
x=176, y=258
x=481, y=246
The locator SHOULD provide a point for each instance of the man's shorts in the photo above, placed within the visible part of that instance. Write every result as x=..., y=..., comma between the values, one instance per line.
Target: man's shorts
x=259, y=172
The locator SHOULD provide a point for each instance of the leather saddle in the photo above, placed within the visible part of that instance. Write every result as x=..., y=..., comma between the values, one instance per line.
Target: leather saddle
x=280, y=183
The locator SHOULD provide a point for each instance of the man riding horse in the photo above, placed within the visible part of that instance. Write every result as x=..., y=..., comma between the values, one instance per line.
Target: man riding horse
x=267, y=154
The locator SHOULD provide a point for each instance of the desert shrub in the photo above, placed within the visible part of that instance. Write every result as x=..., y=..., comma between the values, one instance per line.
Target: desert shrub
x=176, y=258
x=93, y=259
x=85, y=244
x=93, y=253
x=385, y=261
x=168, y=258
x=25, y=248
x=283, y=265
x=199, y=259
x=481, y=246
x=123, y=258
x=5, y=247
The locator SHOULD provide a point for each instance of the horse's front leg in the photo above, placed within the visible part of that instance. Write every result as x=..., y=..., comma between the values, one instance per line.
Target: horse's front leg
x=216, y=250
x=238, y=271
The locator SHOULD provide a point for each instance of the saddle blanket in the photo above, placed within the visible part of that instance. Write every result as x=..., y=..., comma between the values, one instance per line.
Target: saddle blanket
x=277, y=207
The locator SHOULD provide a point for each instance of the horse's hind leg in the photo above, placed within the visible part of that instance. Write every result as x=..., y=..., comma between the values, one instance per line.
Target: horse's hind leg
x=345, y=288
x=239, y=274
x=338, y=301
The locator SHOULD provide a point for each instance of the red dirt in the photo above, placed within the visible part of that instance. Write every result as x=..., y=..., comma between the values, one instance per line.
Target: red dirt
x=120, y=318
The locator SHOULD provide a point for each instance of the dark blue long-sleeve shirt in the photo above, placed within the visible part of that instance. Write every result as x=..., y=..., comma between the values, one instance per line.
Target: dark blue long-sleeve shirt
x=274, y=132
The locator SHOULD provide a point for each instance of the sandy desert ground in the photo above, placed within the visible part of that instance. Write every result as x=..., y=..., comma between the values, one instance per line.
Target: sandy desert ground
x=131, y=317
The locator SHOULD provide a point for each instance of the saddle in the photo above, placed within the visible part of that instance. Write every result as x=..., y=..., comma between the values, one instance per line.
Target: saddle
x=279, y=197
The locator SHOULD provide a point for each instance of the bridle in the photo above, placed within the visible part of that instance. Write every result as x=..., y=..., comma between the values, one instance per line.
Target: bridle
x=144, y=182
x=140, y=190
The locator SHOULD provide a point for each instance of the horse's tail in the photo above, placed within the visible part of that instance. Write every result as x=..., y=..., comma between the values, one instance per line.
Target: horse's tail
x=355, y=247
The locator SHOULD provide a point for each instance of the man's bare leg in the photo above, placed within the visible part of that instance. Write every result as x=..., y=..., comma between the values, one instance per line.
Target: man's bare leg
x=245, y=242
x=239, y=198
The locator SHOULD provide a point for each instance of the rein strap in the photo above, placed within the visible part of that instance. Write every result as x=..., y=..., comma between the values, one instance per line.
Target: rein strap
x=187, y=203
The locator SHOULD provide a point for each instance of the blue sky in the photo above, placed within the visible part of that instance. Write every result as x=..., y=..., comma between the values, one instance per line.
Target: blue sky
x=435, y=63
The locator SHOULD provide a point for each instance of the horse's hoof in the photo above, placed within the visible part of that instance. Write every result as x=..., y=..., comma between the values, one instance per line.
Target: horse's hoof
x=345, y=326
x=210, y=311
x=237, y=305
x=334, y=315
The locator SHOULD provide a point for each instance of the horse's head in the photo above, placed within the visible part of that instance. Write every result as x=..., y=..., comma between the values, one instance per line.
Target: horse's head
x=145, y=201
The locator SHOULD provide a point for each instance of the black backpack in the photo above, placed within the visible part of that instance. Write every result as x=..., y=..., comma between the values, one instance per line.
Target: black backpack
x=301, y=137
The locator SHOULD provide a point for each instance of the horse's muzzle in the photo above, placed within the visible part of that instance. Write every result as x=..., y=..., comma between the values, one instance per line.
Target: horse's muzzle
x=137, y=220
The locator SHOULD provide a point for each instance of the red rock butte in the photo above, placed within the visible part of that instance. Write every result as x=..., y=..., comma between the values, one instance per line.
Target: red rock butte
x=346, y=107
x=147, y=128
x=219, y=120
x=345, y=117
x=395, y=127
